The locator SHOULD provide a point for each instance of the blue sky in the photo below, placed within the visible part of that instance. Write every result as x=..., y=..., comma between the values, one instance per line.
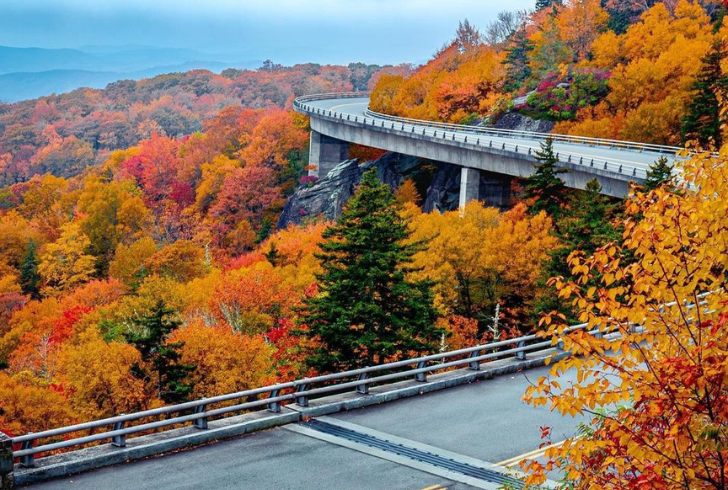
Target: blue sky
x=286, y=31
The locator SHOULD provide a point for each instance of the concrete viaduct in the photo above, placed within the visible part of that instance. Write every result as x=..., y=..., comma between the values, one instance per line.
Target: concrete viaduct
x=489, y=157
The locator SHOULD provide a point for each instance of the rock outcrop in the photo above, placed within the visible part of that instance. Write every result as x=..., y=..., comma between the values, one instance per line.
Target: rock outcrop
x=438, y=182
x=519, y=122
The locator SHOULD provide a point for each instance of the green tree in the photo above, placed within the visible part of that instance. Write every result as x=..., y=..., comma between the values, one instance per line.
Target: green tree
x=29, y=275
x=161, y=359
x=367, y=311
x=589, y=222
x=703, y=120
x=544, y=188
x=517, y=68
x=266, y=227
x=659, y=173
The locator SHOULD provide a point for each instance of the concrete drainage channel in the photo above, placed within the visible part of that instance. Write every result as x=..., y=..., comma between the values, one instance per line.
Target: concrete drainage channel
x=417, y=455
x=157, y=444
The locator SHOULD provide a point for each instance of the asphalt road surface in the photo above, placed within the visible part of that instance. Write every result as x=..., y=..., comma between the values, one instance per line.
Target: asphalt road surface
x=484, y=421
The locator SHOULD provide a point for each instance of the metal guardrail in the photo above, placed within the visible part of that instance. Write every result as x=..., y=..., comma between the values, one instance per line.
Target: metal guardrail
x=478, y=136
x=299, y=392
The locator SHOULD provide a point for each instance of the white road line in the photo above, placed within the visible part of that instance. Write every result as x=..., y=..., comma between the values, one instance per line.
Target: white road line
x=346, y=105
x=537, y=453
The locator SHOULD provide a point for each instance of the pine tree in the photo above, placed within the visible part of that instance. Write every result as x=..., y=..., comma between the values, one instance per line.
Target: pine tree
x=266, y=227
x=29, y=275
x=273, y=255
x=517, y=67
x=165, y=371
x=586, y=225
x=659, y=173
x=368, y=311
x=703, y=121
x=544, y=188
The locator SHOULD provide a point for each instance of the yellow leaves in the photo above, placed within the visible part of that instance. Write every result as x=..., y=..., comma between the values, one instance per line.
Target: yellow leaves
x=64, y=264
x=667, y=375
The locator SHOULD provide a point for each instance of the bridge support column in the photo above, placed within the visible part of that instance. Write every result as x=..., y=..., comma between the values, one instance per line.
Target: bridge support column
x=325, y=153
x=6, y=463
x=491, y=188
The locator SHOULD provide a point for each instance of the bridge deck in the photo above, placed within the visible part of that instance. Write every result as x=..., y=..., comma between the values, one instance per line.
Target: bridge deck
x=484, y=421
x=642, y=160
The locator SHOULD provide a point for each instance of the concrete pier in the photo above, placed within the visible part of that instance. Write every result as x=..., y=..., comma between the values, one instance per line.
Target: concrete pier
x=326, y=153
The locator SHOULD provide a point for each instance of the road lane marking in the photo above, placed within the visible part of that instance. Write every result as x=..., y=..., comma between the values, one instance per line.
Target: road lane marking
x=435, y=487
x=346, y=105
x=536, y=453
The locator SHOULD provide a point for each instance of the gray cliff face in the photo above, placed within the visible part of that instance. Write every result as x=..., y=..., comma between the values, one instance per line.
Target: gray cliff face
x=439, y=184
x=520, y=122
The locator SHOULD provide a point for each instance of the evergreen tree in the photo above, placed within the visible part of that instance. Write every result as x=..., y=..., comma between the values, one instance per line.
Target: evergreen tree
x=273, y=255
x=517, y=67
x=165, y=371
x=29, y=276
x=544, y=188
x=703, y=121
x=659, y=173
x=266, y=227
x=586, y=225
x=368, y=311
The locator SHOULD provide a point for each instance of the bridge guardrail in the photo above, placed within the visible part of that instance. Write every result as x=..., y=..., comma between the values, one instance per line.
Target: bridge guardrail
x=457, y=132
x=299, y=392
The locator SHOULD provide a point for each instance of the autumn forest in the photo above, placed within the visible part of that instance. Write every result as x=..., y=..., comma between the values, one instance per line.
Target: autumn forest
x=141, y=262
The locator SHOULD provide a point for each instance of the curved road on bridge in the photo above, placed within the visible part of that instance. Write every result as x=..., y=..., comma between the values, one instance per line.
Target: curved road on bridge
x=626, y=158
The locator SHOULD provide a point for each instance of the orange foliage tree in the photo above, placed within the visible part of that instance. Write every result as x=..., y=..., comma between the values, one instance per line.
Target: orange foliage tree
x=653, y=67
x=657, y=392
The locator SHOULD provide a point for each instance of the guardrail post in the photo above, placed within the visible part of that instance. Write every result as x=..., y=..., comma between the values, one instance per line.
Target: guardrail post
x=302, y=401
x=521, y=355
x=120, y=440
x=363, y=389
x=7, y=482
x=28, y=460
x=200, y=423
x=274, y=407
x=474, y=365
x=422, y=376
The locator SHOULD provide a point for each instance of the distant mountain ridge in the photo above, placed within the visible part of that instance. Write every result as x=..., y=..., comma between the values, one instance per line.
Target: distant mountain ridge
x=27, y=73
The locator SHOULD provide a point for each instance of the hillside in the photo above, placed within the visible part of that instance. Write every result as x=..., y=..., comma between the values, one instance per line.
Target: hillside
x=28, y=73
x=616, y=69
x=63, y=134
